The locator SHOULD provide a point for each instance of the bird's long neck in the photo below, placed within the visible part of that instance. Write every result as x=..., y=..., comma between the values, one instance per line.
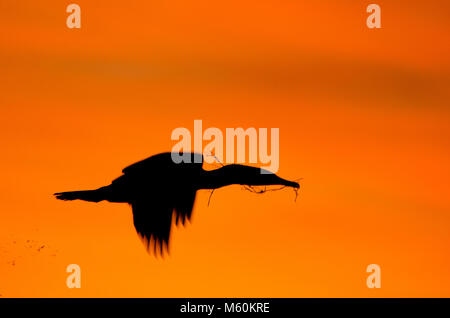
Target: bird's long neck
x=218, y=178
x=240, y=174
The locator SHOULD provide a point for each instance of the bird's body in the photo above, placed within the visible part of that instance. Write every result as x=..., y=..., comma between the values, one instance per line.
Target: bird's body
x=158, y=188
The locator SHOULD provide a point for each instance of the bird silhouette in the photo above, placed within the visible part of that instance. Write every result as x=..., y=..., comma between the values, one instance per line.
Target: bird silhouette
x=159, y=189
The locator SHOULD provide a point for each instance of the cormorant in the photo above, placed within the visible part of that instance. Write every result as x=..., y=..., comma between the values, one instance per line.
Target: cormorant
x=157, y=187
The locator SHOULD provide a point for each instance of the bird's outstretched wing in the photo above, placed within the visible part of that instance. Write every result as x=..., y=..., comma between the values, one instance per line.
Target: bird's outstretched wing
x=153, y=224
x=152, y=217
x=161, y=188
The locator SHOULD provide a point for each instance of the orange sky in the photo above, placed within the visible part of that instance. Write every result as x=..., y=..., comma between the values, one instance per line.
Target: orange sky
x=363, y=117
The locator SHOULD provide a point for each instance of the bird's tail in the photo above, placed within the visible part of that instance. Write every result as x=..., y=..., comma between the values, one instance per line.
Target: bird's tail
x=87, y=195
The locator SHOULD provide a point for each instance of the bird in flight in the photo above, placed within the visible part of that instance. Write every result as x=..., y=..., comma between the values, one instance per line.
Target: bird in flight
x=159, y=189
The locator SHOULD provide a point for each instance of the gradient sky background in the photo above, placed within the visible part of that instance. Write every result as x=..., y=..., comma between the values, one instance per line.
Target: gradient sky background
x=363, y=117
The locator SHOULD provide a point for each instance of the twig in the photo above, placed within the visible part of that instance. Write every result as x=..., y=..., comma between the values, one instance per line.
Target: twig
x=209, y=199
x=217, y=159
